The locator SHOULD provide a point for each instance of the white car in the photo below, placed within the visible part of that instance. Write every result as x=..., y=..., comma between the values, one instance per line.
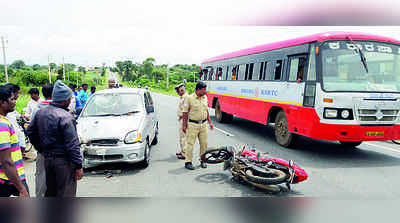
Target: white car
x=118, y=125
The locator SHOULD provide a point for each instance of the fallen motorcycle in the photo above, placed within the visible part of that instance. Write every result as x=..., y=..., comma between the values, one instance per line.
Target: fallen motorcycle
x=258, y=170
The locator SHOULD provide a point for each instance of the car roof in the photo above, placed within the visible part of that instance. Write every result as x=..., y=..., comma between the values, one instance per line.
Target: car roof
x=123, y=90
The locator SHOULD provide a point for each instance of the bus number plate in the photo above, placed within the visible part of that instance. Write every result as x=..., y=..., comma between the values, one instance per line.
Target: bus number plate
x=375, y=133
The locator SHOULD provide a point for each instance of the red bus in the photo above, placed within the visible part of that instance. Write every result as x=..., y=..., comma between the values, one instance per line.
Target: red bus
x=337, y=86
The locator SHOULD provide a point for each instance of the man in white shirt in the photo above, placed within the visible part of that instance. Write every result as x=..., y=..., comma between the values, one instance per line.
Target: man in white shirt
x=32, y=104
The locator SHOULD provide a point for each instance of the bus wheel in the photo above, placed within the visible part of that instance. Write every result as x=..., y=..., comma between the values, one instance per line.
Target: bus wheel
x=230, y=118
x=282, y=135
x=220, y=115
x=350, y=143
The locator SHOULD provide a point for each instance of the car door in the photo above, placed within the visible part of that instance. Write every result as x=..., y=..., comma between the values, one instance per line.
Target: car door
x=150, y=116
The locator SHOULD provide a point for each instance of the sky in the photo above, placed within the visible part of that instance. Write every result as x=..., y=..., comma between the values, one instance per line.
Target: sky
x=91, y=32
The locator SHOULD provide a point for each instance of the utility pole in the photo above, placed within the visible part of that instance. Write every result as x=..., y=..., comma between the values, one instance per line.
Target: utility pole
x=167, y=76
x=63, y=69
x=4, y=57
x=48, y=65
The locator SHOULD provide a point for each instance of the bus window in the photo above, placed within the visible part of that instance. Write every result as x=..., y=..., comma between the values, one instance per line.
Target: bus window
x=219, y=74
x=296, y=69
x=210, y=73
x=261, y=71
x=241, y=72
x=249, y=71
x=312, y=74
x=235, y=71
x=205, y=74
x=278, y=70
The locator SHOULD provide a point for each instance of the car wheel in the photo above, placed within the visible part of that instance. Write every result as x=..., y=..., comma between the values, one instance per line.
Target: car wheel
x=145, y=163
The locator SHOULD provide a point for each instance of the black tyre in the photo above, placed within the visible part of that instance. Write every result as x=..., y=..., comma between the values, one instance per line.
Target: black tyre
x=350, y=143
x=230, y=118
x=273, y=177
x=396, y=142
x=220, y=116
x=146, y=162
x=216, y=155
x=282, y=135
x=155, y=139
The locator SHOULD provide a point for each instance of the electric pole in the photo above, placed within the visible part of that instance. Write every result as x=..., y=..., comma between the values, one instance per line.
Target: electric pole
x=48, y=65
x=167, y=76
x=4, y=57
x=63, y=69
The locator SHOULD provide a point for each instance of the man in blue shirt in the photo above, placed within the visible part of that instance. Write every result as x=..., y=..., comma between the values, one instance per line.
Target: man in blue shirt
x=82, y=95
x=92, y=90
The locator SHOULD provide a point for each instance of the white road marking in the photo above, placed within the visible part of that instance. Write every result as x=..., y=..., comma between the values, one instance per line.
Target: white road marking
x=225, y=132
x=383, y=147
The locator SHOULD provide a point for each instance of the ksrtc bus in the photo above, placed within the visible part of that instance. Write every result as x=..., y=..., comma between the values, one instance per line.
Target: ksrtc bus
x=336, y=86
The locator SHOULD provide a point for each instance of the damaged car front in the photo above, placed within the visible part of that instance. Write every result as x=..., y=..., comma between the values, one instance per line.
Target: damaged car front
x=112, y=129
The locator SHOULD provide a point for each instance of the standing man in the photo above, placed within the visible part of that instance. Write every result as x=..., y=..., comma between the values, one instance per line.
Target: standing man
x=92, y=90
x=53, y=133
x=12, y=173
x=111, y=83
x=40, y=173
x=180, y=89
x=12, y=118
x=32, y=104
x=195, y=115
x=82, y=95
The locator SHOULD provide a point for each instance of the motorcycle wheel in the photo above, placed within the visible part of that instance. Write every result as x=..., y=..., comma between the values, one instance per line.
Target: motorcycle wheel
x=274, y=177
x=216, y=156
x=396, y=142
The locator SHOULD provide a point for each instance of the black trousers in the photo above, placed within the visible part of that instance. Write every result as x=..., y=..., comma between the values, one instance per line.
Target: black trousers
x=6, y=190
x=60, y=177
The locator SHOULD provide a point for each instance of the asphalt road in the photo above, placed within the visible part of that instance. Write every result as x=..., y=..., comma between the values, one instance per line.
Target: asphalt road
x=370, y=170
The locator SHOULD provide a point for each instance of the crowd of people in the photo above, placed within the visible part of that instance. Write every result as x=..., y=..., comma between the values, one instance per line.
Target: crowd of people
x=52, y=132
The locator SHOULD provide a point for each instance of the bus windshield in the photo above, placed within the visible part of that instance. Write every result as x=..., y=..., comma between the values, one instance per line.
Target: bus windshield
x=343, y=69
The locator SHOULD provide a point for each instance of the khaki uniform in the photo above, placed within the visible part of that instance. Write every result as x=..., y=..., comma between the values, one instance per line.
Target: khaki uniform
x=197, y=108
x=182, y=135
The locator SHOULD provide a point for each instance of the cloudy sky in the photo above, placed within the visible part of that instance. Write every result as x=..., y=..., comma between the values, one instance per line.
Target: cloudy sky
x=94, y=31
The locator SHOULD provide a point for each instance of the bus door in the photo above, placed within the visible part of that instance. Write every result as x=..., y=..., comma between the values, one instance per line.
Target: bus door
x=295, y=86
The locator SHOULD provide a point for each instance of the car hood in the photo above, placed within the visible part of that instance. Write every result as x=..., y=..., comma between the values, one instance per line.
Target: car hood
x=107, y=127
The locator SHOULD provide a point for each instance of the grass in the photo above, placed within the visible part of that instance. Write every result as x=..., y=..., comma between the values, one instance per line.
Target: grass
x=22, y=101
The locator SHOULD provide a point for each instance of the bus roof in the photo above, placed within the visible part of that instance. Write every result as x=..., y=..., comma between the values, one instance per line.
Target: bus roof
x=301, y=40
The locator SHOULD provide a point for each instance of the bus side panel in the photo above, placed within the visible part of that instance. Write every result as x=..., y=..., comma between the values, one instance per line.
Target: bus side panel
x=253, y=110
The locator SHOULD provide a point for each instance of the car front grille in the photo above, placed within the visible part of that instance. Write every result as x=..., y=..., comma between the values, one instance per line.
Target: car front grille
x=104, y=157
x=104, y=142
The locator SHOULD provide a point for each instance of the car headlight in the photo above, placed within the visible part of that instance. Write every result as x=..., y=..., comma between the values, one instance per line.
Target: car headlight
x=331, y=113
x=133, y=137
x=345, y=114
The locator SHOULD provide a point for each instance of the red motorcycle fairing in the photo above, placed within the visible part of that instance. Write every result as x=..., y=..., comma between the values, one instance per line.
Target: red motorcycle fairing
x=300, y=174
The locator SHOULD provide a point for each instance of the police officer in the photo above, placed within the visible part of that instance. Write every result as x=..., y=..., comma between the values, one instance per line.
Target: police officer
x=195, y=116
x=180, y=89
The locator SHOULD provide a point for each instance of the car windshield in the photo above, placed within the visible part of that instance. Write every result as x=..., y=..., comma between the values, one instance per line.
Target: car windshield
x=113, y=105
x=343, y=70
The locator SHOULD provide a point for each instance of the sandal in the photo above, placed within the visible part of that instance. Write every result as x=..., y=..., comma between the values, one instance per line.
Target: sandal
x=181, y=157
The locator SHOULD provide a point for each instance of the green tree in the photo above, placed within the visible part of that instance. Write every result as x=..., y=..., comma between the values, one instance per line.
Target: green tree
x=53, y=66
x=36, y=67
x=18, y=64
x=148, y=66
x=82, y=69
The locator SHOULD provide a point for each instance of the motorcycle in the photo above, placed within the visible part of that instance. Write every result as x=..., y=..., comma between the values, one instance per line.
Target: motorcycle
x=23, y=123
x=258, y=170
x=396, y=142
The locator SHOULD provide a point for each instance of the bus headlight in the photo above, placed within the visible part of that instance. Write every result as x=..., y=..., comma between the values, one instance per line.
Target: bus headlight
x=331, y=113
x=345, y=114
